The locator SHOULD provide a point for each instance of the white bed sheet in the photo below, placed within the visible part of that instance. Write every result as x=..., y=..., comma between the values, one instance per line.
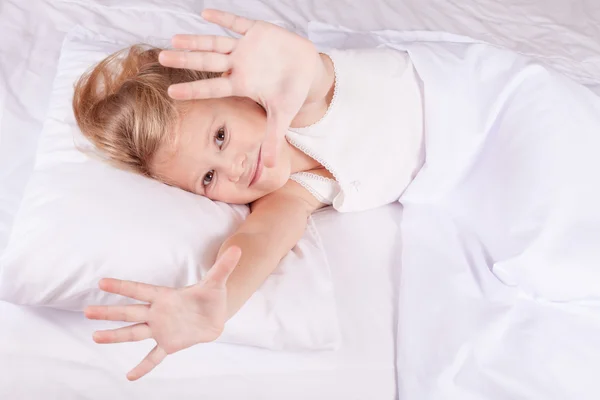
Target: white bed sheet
x=49, y=354
x=562, y=33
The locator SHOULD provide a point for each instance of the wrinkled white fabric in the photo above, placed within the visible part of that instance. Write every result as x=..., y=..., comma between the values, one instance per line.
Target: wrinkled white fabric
x=499, y=295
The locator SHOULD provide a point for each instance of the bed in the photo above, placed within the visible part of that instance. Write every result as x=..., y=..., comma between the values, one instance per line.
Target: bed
x=49, y=353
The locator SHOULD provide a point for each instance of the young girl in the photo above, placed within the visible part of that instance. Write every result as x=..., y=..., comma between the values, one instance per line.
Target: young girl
x=153, y=112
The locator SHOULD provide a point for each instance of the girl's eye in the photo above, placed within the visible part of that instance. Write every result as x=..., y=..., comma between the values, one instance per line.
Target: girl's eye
x=220, y=137
x=208, y=178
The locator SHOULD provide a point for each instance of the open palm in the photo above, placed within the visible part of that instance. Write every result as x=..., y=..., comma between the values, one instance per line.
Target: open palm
x=274, y=67
x=175, y=318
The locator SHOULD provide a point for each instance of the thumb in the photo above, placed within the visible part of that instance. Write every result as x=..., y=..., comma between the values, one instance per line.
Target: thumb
x=277, y=126
x=222, y=268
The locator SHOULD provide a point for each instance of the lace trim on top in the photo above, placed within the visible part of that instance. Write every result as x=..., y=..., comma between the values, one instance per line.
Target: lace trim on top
x=298, y=178
x=317, y=177
x=303, y=178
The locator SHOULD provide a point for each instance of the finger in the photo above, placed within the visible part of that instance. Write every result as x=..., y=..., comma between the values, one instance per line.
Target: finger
x=135, y=290
x=155, y=357
x=269, y=146
x=132, y=313
x=133, y=333
x=269, y=153
x=227, y=20
x=219, y=273
x=205, y=89
x=218, y=44
x=198, y=61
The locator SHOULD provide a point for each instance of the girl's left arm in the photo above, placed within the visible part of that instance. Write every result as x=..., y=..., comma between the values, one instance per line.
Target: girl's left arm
x=275, y=225
x=178, y=318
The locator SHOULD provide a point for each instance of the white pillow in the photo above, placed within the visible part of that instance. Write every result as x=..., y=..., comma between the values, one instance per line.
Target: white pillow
x=81, y=220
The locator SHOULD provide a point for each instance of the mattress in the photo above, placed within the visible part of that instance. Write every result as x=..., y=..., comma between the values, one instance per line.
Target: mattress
x=49, y=354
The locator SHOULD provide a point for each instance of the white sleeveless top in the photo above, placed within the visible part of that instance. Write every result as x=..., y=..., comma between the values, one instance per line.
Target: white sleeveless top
x=371, y=137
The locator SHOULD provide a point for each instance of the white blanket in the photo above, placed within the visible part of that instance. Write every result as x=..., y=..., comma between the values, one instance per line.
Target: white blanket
x=512, y=156
x=501, y=226
x=513, y=176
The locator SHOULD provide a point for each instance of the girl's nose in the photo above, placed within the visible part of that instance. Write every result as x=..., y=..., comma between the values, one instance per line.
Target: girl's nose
x=237, y=168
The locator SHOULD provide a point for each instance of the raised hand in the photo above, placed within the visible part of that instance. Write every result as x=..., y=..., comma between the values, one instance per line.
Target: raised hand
x=175, y=318
x=276, y=68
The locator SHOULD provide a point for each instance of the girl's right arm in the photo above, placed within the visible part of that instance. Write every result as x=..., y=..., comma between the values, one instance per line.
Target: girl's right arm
x=278, y=69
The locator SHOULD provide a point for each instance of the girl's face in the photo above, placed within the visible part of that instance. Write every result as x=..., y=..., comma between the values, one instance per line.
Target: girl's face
x=217, y=152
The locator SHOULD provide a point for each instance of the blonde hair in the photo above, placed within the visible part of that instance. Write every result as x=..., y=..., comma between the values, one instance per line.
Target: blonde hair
x=122, y=106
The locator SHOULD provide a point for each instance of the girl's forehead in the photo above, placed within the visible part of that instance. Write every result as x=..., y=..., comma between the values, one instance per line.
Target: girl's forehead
x=196, y=118
x=184, y=139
